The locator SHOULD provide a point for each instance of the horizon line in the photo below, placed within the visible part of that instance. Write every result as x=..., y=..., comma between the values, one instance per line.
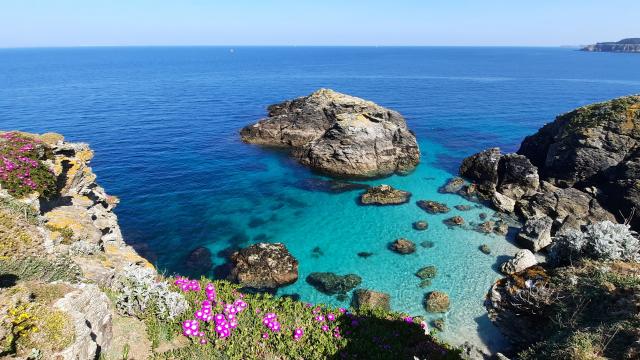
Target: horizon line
x=282, y=45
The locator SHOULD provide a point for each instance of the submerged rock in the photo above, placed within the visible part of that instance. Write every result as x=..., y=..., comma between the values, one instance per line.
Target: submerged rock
x=199, y=259
x=427, y=244
x=427, y=272
x=403, y=246
x=339, y=135
x=365, y=254
x=437, y=302
x=384, y=195
x=329, y=186
x=522, y=260
x=463, y=207
x=264, y=266
x=433, y=207
x=421, y=225
x=363, y=298
x=485, y=249
x=331, y=283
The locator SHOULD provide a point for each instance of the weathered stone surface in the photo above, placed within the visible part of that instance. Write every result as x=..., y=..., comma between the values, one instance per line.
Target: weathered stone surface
x=363, y=298
x=331, y=283
x=437, y=302
x=433, y=207
x=403, y=246
x=264, y=266
x=339, y=135
x=89, y=309
x=384, y=195
x=522, y=260
x=536, y=233
x=502, y=202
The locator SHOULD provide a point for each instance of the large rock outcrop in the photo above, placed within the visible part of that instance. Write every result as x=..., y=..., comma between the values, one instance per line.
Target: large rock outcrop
x=339, y=135
x=580, y=169
x=264, y=266
x=631, y=45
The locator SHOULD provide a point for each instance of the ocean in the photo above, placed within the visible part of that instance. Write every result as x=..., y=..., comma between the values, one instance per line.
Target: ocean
x=164, y=124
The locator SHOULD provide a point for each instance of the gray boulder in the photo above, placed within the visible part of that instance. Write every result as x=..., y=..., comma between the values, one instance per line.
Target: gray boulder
x=331, y=283
x=536, y=233
x=363, y=298
x=522, y=260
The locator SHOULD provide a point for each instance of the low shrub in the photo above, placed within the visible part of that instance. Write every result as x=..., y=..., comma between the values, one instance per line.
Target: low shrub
x=21, y=170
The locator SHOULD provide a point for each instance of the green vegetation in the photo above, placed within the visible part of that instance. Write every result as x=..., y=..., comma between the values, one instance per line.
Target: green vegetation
x=596, y=316
x=365, y=334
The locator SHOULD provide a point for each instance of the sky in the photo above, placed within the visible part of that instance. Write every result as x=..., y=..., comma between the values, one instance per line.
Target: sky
x=36, y=23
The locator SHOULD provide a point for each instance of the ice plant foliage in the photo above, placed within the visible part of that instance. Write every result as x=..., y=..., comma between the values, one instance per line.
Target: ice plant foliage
x=21, y=170
x=224, y=323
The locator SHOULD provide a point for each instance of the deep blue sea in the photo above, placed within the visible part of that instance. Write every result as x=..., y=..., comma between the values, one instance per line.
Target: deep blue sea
x=164, y=125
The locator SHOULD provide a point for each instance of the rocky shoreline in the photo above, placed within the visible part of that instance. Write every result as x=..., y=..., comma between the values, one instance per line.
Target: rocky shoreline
x=631, y=45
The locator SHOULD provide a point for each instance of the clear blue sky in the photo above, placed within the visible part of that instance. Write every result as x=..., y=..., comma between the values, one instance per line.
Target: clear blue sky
x=315, y=22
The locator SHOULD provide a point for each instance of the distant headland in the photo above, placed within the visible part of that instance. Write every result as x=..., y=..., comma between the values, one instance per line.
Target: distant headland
x=631, y=45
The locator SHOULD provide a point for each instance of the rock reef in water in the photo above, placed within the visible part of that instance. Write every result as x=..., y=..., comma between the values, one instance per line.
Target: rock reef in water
x=631, y=45
x=331, y=283
x=339, y=135
x=384, y=195
x=264, y=266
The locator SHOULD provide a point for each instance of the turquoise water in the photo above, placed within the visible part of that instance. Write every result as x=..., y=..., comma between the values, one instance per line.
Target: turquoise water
x=164, y=123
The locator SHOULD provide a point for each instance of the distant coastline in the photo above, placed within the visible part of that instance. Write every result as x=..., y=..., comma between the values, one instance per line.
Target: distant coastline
x=630, y=45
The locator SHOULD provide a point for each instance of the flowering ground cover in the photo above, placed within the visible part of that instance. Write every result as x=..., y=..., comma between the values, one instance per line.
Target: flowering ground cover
x=222, y=322
x=21, y=168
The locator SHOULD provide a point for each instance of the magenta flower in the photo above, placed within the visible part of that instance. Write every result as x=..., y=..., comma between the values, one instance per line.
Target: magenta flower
x=297, y=334
x=331, y=317
x=325, y=328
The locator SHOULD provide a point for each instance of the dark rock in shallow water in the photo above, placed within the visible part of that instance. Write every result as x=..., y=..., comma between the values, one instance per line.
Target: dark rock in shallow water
x=330, y=283
x=363, y=298
x=199, y=259
x=463, y=207
x=485, y=249
x=264, y=266
x=256, y=222
x=329, y=186
x=342, y=297
x=482, y=216
x=483, y=169
x=433, y=207
x=425, y=283
x=427, y=272
x=403, y=246
x=365, y=254
x=317, y=252
x=421, y=225
x=427, y=244
x=384, y=195
x=436, y=302
x=454, y=221
x=453, y=186
x=339, y=135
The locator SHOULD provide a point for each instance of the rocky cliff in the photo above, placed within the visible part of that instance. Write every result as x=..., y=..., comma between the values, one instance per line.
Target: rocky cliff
x=58, y=255
x=339, y=135
x=631, y=45
x=581, y=168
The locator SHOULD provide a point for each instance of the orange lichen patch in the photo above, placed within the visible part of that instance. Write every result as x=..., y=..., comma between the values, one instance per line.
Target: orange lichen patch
x=126, y=255
x=84, y=155
x=534, y=273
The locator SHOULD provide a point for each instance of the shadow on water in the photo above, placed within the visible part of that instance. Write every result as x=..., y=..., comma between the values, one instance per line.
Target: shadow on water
x=499, y=261
x=491, y=336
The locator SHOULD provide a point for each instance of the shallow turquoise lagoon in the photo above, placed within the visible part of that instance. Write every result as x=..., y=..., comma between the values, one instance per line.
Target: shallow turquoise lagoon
x=164, y=125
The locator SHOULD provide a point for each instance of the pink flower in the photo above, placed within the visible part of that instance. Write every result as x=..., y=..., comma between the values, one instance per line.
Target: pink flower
x=325, y=328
